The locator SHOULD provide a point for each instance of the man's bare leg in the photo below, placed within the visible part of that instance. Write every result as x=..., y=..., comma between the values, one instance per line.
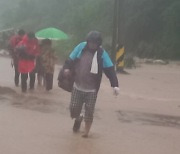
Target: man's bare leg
x=87, y=129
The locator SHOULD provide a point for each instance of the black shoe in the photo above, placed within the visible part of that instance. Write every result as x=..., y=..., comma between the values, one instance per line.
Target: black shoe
x=77, y=124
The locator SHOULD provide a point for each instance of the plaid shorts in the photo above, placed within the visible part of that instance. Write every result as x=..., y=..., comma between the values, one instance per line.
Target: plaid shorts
x=78, y=98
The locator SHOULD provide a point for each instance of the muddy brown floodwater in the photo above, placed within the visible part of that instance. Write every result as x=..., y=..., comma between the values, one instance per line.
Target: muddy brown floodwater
x=143, y=119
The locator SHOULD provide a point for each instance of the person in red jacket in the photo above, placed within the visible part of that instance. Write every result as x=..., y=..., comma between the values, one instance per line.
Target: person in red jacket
x=13, y=42
x=28, y=50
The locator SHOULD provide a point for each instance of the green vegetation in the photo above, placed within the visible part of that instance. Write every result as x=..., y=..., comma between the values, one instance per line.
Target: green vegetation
x=148, y=28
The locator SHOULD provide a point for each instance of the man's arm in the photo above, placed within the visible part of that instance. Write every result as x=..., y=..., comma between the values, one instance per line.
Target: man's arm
x=111, y=74
x=109, y=70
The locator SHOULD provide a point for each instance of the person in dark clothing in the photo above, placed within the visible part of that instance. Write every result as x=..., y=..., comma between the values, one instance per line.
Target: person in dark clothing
x=89, y=60
x=14, y=40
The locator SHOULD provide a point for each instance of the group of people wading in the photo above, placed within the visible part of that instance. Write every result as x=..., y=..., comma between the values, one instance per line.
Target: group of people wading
x=87, y=61
x=31, y=57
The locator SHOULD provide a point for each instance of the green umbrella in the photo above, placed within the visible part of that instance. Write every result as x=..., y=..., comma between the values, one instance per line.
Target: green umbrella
x=51, y=33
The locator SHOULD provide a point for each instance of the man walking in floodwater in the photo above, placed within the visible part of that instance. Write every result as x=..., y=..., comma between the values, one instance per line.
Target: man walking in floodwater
x=89, y=60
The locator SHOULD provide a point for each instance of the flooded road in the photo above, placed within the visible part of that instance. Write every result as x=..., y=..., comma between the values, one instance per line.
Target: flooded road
x=143, y=119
